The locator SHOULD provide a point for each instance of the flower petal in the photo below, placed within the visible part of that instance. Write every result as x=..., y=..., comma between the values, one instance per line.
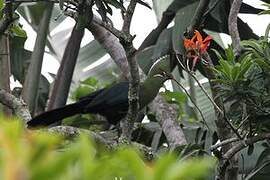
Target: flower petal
x=195, y=60
x=199, y=36
x=188, y=44
x=207, y=39
x=204, y=46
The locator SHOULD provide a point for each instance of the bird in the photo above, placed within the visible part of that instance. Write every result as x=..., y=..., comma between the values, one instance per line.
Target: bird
x=110, y=102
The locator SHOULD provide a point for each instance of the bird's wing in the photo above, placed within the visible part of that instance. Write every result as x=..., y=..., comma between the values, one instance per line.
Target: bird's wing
x=114, y=96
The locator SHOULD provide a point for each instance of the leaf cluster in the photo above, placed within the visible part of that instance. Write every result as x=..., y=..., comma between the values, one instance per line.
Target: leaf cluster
x=244, y=82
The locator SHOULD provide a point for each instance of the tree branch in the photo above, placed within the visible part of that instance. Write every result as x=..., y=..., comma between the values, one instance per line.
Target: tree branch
x=133, y=94
x=64, y=75
x=119, y=34
x=235, y=149
x=112, y=46
x=5, y=68
x=73, y=132
x=128, y=16
x=233, y=29
x=223, y=143
x=31, y=83
x=166, y=115
x=18, y=106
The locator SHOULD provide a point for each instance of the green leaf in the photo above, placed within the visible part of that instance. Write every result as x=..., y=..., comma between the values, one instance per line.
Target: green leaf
x=101, y=10
x=218, y=54
x=182, y=21
x=144, y=59
x=2, y=5
x=216, y=36
x=163, y=165
x=175, y=97
x=116, y=4
x=17, y=30
x=163, y=44
x=229, y=54
x=254, y=172
x=144, y=4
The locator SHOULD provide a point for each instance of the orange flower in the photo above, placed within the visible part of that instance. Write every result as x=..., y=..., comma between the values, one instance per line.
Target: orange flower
x=197, y=43
x=196, y=46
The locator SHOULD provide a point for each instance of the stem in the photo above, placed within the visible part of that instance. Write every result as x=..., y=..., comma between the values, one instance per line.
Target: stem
x=199, y=84
x=194, y=103
x=31, y=84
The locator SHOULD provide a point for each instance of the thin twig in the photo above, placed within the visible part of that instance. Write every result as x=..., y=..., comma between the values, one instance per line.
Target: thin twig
x=199, y=84
x=128, y=16
x=191, y=99
x=223, y=143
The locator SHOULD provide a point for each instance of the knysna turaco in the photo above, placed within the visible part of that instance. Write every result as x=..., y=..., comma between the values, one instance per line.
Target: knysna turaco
x=111, y=102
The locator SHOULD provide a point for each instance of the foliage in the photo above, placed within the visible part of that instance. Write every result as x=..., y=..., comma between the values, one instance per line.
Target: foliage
x=26, y=154
x=244, y=85
x=85, y=88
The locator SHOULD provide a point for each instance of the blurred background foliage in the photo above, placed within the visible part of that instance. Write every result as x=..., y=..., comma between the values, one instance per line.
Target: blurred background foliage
x=41, y=155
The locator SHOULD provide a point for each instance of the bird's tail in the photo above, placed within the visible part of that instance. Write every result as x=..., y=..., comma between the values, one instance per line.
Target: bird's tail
x=55, y=115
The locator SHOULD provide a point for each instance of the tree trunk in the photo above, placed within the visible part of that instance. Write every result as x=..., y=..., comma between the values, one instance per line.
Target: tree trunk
x=5, y=70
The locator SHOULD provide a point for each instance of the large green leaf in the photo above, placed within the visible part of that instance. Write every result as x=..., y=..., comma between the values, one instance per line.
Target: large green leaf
x=163, y=45
x=19, y=57
x=33, y=13
x=160, y=6
x=182, y=21
x=144, y=59
x=19, y=60
x=89, y=54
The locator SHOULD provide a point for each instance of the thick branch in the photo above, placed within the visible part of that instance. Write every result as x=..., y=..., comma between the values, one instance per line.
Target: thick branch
x=133, y=93
x=73, y=132
x=64, y=75
x=166, y=115
x=19, y=108
x=112, y=46
x=233, y=29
